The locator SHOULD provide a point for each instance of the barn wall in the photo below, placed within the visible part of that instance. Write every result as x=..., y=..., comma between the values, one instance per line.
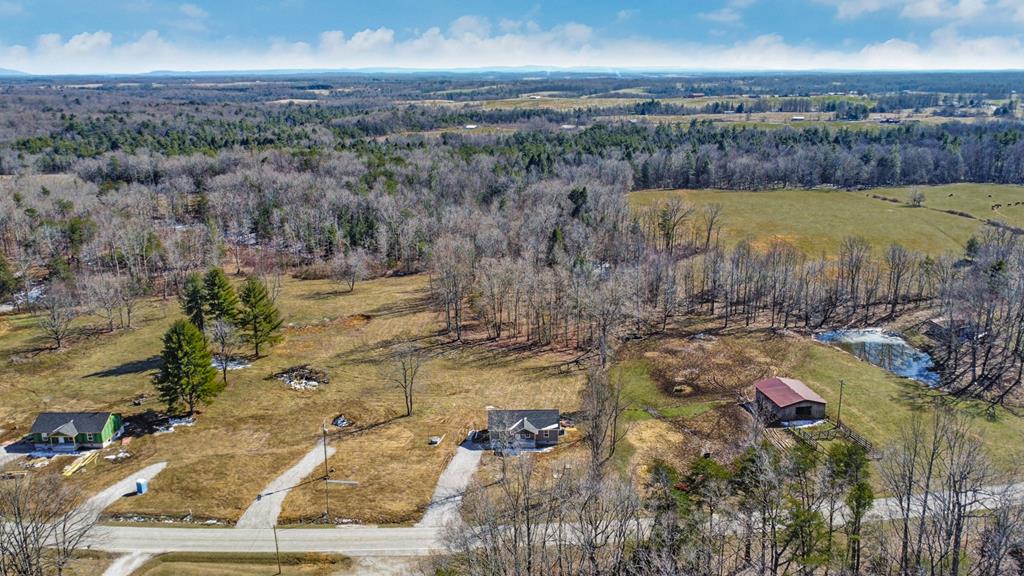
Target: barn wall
x=789, y=412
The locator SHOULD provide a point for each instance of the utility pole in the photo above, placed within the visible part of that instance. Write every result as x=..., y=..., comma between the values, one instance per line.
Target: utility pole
x=277, y=549
x=327, y=478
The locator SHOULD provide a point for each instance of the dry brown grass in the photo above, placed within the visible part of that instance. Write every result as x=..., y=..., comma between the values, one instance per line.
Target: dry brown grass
x=395, y=467
x=258, y=427
x=211, y=564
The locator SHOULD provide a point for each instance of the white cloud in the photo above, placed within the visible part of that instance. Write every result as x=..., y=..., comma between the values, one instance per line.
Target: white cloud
x=624, y=15
x=856, y=8
x=962, y=10
x=477, y=26
x=372, y=39
x=1015, y=8
x=917, y=9
x=193, y=11
x=723, y=15
x=10, y=8
x=731, y=13
x=472, y=43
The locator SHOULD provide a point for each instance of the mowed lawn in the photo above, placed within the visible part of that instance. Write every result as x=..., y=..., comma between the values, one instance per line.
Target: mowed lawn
x=876, y=403
x=258, y=427
x=818, y=221
x=880, y=405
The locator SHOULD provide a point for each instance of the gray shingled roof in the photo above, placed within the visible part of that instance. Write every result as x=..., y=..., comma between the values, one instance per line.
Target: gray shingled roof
x=532, y=420
x=70, y=423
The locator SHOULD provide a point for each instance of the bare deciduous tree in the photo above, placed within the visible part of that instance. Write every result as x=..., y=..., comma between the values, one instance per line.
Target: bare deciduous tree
x=402, y=369
x=602, y=406
x=57, y=314
x=44, y=522
x=226, y=339
x=350, y=268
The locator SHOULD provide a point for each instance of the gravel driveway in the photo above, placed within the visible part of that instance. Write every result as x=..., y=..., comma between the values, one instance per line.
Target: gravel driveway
x=101, y=501
x=125, y=565
x=264, y=512
x=453, y=482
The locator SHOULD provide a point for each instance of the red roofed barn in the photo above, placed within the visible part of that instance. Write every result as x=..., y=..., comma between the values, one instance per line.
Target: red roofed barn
x=785, y=399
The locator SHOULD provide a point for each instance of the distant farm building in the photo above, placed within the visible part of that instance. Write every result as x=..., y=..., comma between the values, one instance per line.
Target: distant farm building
x=788, y=399
x=70, y=431
x=944, y=328
x=523, y=429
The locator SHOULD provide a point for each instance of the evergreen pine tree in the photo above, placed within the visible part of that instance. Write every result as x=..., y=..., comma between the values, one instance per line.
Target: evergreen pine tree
x=258, y=319
x=192, y=300
x=221, y=301
x=8, y=283
x=187, y=375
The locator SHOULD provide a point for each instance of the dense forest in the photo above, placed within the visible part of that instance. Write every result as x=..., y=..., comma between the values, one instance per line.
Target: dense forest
x=525, y=234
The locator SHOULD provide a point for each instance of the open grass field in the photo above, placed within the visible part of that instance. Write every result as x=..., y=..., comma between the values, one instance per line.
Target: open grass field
x=193, y=564
x=258, y=427
x=817, y=221
x=1004, y=203
x=695, y=398
x=89, y=563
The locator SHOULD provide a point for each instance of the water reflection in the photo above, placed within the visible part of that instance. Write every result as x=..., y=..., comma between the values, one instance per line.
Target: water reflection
x=886, y=350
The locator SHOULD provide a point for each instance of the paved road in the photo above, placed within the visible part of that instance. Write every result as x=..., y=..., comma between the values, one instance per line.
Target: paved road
x=451, y=484
x=264, y=512
x=354, y=540
x=351, y=541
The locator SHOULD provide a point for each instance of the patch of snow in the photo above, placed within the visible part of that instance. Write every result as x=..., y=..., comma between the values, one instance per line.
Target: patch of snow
x=800, y=423
x=32, y=296
x=303, y=384
x=233, y=363
x=861, y=336
x=173, y=423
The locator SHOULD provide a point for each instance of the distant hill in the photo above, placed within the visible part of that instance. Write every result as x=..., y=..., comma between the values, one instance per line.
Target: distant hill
x=8, y=72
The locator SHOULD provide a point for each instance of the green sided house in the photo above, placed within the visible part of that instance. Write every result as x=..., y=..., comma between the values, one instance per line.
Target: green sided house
x=70, y=431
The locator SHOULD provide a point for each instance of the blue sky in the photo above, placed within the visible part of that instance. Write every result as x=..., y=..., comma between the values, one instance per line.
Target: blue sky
x=121, y=36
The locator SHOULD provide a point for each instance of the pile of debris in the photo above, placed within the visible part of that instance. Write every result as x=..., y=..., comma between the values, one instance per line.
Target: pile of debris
x=122, y=455
x=304, y=377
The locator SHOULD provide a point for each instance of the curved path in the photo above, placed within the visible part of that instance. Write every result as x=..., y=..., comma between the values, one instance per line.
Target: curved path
x=125, y=565
x=263, y=513
x=104, y=499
